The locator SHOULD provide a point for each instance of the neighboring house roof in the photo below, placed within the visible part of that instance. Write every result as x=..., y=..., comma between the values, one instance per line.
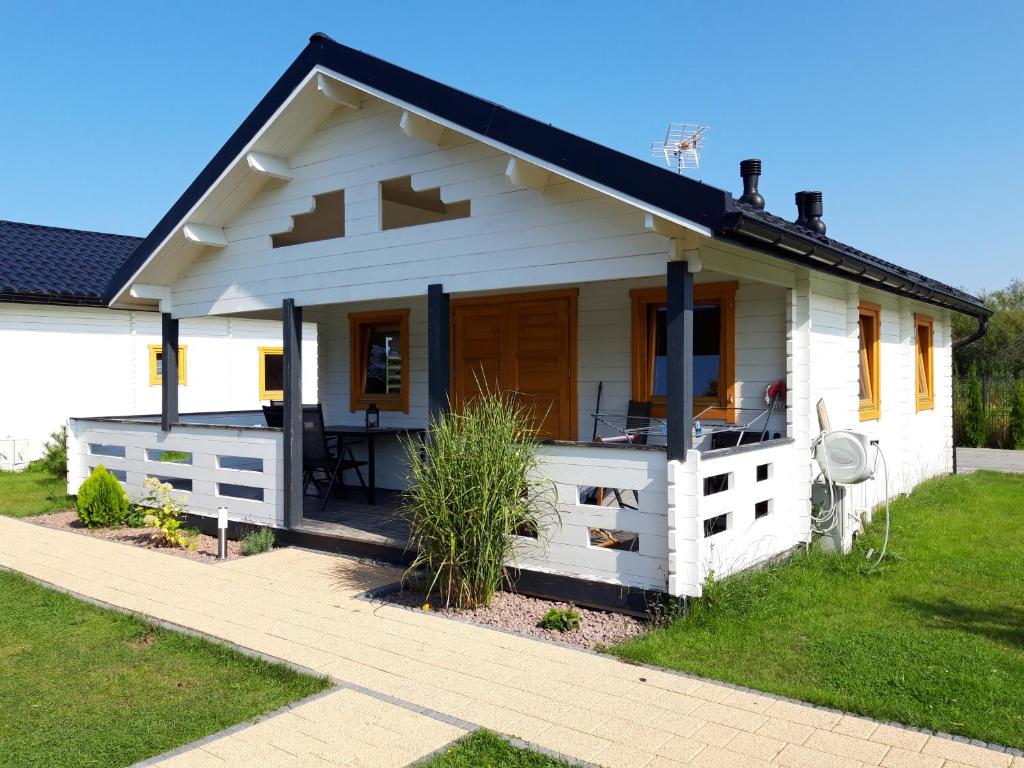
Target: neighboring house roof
x=53, y=265
x=711, y=208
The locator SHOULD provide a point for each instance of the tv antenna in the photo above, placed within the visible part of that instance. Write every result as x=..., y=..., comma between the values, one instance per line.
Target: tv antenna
x=682, y=145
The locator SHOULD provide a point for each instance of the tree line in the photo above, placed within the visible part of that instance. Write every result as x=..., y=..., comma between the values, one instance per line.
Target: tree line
x=997, y=360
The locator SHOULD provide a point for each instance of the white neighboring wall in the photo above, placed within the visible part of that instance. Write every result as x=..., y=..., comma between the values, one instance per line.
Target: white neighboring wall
x=60, y=362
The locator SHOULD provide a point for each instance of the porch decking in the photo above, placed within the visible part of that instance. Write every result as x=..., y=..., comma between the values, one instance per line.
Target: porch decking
x=352, y=517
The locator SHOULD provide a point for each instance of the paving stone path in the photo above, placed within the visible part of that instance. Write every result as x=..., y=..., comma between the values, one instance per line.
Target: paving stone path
x=410, y=683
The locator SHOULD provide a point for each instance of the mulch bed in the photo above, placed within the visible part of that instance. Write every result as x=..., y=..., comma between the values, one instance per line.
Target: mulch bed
x=205, y=551
x=521, y=614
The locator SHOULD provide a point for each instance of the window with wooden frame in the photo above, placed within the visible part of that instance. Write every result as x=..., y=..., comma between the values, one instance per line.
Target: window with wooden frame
x=379, y=360
x=870, y=322
x=271, y=373
x=156, y=364
x=714, y=334
x=924, y=329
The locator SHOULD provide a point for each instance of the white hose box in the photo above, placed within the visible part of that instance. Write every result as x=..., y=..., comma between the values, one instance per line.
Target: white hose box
x=843, y=456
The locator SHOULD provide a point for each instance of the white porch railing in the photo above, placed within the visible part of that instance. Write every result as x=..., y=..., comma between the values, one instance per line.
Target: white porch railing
x=233, y=466
x=639, y=556
x=729, y=510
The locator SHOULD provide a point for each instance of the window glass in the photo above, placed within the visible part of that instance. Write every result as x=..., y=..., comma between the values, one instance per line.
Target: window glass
x=271, y=373
x=707, y=350
x=383, y=360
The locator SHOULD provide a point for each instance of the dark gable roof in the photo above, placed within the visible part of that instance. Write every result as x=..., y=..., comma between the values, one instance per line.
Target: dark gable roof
x=639, y=179
x=51, y=265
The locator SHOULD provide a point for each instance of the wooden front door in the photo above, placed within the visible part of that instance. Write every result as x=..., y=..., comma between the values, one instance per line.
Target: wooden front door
x=524, y=343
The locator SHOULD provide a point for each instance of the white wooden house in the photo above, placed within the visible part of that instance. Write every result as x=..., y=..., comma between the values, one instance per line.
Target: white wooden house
x=400, y=214
x=66, y=353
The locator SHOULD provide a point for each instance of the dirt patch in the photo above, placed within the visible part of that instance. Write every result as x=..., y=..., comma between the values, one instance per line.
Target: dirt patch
x=205, y=551
x=143, y=642
x=521, y=614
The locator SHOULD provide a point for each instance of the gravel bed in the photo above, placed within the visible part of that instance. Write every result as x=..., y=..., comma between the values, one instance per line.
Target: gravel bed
x=521, y=613
x=205, y=551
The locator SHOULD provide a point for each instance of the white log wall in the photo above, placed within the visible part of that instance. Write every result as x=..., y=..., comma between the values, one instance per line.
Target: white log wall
x=80, y=361
x=917, y=445
x=91, y=441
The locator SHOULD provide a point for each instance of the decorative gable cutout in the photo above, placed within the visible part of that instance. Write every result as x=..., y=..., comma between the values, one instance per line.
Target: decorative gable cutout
x=402, y=206
x=324, y=222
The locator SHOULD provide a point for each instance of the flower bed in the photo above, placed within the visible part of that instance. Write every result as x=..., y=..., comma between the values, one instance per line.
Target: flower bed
x=205, y=551
x=522, y=614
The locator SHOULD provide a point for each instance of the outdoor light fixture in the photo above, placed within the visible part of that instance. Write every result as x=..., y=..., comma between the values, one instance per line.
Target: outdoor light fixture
x=222, y=533
x=372, y=416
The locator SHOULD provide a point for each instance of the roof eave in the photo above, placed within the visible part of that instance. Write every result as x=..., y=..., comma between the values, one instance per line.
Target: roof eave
x=818, y=256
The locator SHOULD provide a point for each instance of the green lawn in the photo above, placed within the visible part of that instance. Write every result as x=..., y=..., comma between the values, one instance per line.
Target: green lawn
x=934, y=639
x=483, y=749
x=82, y=686
x=32, y=492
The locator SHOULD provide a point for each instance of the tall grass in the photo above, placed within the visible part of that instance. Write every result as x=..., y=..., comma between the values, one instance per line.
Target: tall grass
x=472, y=487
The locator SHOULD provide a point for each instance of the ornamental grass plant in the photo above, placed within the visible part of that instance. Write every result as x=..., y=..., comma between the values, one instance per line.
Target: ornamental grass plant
x=472, y=486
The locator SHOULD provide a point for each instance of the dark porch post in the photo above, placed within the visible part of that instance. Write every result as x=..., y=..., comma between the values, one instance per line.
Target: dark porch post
x=680, y=359
x=292, y=330
x=169, y=372
x=438, y=350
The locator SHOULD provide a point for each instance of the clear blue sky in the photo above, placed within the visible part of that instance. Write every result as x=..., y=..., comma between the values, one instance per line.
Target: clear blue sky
x=909, y=116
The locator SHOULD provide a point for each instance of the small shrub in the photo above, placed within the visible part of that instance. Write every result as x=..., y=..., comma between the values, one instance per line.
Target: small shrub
x=472, y=485
x=164, y=513
x=55, y=454
x=102, y=502
x=136, y=517
x=974, y=419
x=257, y=541
x=1016, y=429
x=560, y=620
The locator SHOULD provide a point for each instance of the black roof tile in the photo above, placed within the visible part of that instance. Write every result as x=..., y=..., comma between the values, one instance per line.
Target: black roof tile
x=53, y=265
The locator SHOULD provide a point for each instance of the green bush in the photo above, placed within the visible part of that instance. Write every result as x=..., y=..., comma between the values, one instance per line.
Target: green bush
x=1016, y=429
x=102, y=502
x=55, y=455
x=471, y=486
x=560, y=620
x=257, y=541
x=975, y=426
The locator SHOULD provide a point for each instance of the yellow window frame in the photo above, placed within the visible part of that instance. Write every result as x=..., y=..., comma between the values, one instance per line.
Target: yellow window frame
x=924, y=359
x=869, y=334
x=155, y=378
x=269, y=394
x=643, y=301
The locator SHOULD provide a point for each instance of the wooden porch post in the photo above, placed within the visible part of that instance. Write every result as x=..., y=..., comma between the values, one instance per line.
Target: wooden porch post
x=169, y=372
x=438, y=350
x=292, y=330
x=679, y=339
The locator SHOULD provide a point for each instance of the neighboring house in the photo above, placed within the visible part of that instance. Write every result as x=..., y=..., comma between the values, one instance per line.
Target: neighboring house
x=66, y=353
x=435, y=237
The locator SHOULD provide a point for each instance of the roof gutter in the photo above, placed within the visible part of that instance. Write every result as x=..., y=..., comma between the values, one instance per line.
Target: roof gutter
x=823, y=258
x=978, y=334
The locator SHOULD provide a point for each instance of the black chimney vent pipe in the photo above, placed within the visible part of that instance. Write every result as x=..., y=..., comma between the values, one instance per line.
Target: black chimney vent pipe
x=750, y=171
x=809, y=211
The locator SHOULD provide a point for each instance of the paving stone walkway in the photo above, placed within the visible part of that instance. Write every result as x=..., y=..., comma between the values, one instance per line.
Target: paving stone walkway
x=413, y=682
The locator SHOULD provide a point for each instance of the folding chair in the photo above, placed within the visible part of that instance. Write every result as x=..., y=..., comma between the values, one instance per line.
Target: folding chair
x=318, y=457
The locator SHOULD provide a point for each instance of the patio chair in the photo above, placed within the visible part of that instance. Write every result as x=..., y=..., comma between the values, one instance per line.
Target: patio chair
x=634, y=432
x=321, y=463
